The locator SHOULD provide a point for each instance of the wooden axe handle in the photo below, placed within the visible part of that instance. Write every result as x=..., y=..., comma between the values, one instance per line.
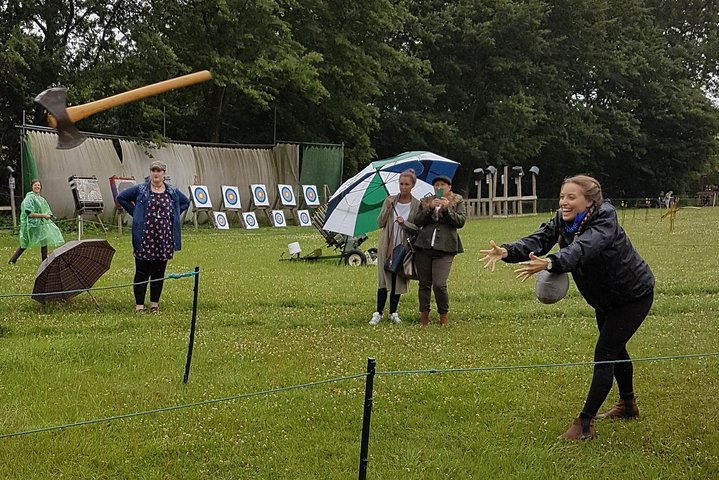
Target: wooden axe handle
x=78, y=112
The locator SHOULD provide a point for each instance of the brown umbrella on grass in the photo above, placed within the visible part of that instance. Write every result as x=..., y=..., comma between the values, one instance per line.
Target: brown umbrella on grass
x=71, y=269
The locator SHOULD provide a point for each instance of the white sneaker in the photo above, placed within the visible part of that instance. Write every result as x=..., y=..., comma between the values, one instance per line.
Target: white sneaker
x=376, y=317
x=394, y=318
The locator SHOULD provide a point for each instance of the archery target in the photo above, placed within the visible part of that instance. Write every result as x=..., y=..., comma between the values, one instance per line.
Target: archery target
x=250, y=220
x=278, y=218
x=312, y=199
x=200, y=196
x=259, y=195
x=304, y=218
x=221, y=221
x=287, y=195
x=231, y=197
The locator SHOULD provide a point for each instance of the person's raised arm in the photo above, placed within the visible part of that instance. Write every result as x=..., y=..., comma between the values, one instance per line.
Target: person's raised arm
x=493, y=255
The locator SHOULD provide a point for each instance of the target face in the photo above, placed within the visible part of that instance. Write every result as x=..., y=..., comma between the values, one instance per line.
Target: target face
x=311, y=197
x=287, y=195
x=260, y=195
x=250, y=220
x=231, y=197
x=279, y=218
x=304, y=216
x=200, y=196
x=221, y=221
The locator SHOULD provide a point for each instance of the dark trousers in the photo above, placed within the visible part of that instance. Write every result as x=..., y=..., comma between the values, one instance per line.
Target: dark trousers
x=616, y=327
x=393, y=299
x=148, y=270
x=18, y=252
x=433, y=270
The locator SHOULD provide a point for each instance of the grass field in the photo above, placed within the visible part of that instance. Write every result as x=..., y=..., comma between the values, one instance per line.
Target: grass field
x=265, y=324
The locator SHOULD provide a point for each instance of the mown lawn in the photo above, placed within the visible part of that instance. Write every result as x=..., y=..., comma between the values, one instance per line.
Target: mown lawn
x=266, y=324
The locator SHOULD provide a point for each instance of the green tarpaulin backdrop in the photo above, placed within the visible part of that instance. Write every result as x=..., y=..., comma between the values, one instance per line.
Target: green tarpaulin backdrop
x=321, y=165
x=29, y=169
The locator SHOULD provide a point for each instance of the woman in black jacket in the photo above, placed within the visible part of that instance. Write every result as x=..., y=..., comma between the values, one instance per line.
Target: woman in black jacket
x=610, y=275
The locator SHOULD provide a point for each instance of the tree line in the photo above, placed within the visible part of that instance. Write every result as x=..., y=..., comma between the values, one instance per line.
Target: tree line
x=620, y=89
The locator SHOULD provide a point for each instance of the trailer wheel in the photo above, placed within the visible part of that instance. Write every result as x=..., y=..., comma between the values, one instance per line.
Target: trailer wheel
x=372, y=255
x=355, y=258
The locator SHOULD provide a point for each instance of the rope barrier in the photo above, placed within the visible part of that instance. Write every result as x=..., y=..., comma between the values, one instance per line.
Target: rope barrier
x=545, y=365
x=183, y=406
x=171, y=276
x=335, y=380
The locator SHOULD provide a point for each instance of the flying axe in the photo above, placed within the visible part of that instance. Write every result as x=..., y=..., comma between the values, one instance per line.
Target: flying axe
x=62, y=118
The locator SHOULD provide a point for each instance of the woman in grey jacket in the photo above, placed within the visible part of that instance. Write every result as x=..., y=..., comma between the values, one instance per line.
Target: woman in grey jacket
x=610, y=275
x=395, y=220
x=436, y=244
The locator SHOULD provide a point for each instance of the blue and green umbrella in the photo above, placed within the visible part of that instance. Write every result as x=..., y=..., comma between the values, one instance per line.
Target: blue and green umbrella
x=355, y=206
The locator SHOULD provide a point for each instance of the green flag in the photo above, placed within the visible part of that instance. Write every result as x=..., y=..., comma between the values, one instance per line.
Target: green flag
x=29, y=169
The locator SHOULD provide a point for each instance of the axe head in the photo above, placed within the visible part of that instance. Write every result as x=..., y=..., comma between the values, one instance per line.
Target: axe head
x=55, y=102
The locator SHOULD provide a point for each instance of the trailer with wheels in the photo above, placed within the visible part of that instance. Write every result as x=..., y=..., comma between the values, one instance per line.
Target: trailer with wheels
x=347, y=246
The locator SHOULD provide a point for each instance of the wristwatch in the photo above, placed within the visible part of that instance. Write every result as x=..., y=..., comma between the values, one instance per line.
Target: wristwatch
x=549, y=263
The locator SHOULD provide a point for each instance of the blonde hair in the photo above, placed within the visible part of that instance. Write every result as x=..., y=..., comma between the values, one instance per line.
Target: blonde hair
x=591, y=188
x=409, y=173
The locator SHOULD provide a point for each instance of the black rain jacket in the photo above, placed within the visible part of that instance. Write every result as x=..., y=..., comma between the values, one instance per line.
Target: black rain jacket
x=605, y=266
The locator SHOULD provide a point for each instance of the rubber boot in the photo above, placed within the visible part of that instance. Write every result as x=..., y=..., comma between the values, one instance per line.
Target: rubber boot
x=424, y=319
x=625, y=409
x=581, y=429
x=443, y=319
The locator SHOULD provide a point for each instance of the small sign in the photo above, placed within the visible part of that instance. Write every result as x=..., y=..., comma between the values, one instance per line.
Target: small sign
x=200, y=197
x=278, y=218
x=287, y=195
x=221, y=220
x=231, y=197
x=304, y=218
x=312, y=199
x=250, y=220
x=119, y=185
x=259, y=195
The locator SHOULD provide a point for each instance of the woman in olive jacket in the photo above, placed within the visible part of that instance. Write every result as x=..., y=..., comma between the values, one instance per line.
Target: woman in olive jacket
x=610, y=275
x=436, y=244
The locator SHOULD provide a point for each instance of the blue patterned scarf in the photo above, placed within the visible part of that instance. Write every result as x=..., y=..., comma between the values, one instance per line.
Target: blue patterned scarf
x=577, y=222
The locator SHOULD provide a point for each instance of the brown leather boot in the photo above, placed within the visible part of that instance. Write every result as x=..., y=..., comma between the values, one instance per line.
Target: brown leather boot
x=443, y=319
x=626, y=409
x=424, y=318
x=581, y=429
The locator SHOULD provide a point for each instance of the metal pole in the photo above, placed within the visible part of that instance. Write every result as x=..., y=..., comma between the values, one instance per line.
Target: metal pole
x=193, y=323
x=11, y=184
x=369, y=384
x=22, y=157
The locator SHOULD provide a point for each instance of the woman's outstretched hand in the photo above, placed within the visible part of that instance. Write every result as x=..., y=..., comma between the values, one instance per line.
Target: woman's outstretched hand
x=531, y=266
x=492, y=256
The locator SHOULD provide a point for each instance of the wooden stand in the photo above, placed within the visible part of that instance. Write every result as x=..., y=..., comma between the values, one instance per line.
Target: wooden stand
x=504, y=205
x=11, y=207
x=286, y=204
x=81, y=222
x=195, y=212
x=265, y=207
